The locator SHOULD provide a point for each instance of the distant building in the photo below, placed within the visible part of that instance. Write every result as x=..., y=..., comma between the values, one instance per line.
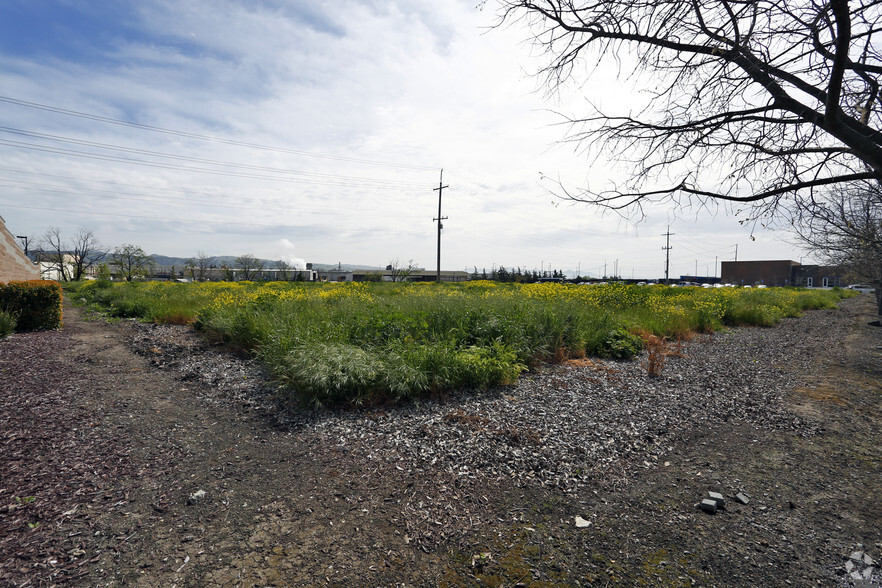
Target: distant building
x=779, y=273
x=14, y=264
x=416, y=276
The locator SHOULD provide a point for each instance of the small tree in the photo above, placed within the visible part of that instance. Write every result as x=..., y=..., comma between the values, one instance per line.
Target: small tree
x=131, y=262
x=53, y=251
x=249, y=265
x=844, y=229
x=190, y=268
x=70, y=260
x=284, y=269
x=400, y=272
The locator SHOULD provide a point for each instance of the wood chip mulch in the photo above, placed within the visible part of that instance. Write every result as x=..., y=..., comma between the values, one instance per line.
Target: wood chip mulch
x=56, y=475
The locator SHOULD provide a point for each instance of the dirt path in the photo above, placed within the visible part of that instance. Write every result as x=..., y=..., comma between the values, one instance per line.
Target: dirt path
x=102, y=452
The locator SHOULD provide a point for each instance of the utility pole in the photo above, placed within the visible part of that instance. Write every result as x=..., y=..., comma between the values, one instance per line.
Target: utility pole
x=440, y=218
x=25, y=241
x=736, y=251
x=667, y=250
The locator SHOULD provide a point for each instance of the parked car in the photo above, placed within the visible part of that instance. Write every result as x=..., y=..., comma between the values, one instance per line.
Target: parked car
x=862, y=288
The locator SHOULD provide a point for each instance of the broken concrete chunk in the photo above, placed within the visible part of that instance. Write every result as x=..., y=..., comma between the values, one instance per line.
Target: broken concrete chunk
x=580, y=522
x=742, y=498
x=708, y=506
x=857, y=556
x=197, y=496
x=718, y=498
x=849, y=566
x=868, y=560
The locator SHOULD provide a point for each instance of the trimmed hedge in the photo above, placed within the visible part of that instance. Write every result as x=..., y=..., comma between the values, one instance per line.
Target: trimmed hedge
x=36, y=304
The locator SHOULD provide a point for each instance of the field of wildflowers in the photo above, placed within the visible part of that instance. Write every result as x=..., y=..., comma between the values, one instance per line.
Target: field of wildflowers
x=356, y=342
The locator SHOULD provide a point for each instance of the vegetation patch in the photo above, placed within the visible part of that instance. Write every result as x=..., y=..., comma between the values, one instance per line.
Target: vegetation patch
x=31, y=305
x=360, y=343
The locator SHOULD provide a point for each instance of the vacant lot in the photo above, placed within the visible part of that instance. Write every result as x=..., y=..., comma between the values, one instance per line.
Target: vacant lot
x=111, y=430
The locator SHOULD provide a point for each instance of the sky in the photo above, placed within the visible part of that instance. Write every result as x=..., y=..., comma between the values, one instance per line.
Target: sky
x=318, y=132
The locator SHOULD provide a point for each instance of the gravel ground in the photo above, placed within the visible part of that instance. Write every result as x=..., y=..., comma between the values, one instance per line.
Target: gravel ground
x=580, y=474
x=585, y=423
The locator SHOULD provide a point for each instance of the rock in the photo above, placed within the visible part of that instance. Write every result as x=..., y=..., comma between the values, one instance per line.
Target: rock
x=580, y=522
x=742, y=498
x=868, y=560
x=857, y=556
x=708, y=505
x=197, y=496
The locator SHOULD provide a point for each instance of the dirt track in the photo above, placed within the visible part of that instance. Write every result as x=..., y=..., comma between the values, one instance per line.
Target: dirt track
x=101, y=451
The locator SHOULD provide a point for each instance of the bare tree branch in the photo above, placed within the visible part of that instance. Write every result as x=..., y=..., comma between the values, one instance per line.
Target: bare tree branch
x=758, y=101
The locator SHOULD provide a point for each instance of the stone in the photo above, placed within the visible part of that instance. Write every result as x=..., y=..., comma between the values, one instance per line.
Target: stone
x=742, y=498
x=581, y=523
x=709, y=506
x=857, y=556
x=197, y=496
x=868, y=560
x=849, y=567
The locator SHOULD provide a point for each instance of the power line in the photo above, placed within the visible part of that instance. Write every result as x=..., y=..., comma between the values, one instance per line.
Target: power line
x=210, y=138
x=227, y=164
x=146, y=198
x=159, y=165
x=190, y=222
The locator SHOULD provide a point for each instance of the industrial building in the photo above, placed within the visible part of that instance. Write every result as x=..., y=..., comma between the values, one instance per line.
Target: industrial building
x=779, y=273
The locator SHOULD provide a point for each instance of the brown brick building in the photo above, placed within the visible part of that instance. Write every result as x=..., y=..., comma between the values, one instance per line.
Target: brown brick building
x=14, y=264
x=778, y=273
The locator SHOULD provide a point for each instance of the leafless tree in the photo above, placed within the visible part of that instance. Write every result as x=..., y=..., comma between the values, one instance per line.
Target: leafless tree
x=750, y=101
x=284, y=269
x=197, y=267
x=249, y=265
x=401, y=272
x=71, y=260
x=85, y=253
x=203, y=263
x=844, y=229
x=52, y=252
x=190, y=268
x=131, y=262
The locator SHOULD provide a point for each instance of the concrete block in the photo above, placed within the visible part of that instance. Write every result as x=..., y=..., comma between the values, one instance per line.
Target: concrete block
x=709, y=506
x=718, y=498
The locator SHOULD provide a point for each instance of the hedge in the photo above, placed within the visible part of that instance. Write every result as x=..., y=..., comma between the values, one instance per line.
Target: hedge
x=36, y=304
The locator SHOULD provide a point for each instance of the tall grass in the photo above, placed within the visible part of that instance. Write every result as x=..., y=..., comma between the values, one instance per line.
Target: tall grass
x=357, y=343
x=8, y=322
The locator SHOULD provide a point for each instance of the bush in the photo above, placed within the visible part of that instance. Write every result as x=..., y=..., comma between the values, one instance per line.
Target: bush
x=36, y=304
x=7, y=323
x=621, y=345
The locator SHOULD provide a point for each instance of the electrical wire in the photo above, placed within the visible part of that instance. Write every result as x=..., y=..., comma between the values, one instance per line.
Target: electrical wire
x=210, y=138
x=225, y=164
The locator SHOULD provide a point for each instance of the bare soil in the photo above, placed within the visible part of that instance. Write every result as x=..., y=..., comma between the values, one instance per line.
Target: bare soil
x=103, y=449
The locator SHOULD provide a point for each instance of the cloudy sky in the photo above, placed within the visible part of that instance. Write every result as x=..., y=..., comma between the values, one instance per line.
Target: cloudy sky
x=316, y=131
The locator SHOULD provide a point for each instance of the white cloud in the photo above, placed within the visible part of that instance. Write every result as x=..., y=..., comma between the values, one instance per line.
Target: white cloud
x=417, y=83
